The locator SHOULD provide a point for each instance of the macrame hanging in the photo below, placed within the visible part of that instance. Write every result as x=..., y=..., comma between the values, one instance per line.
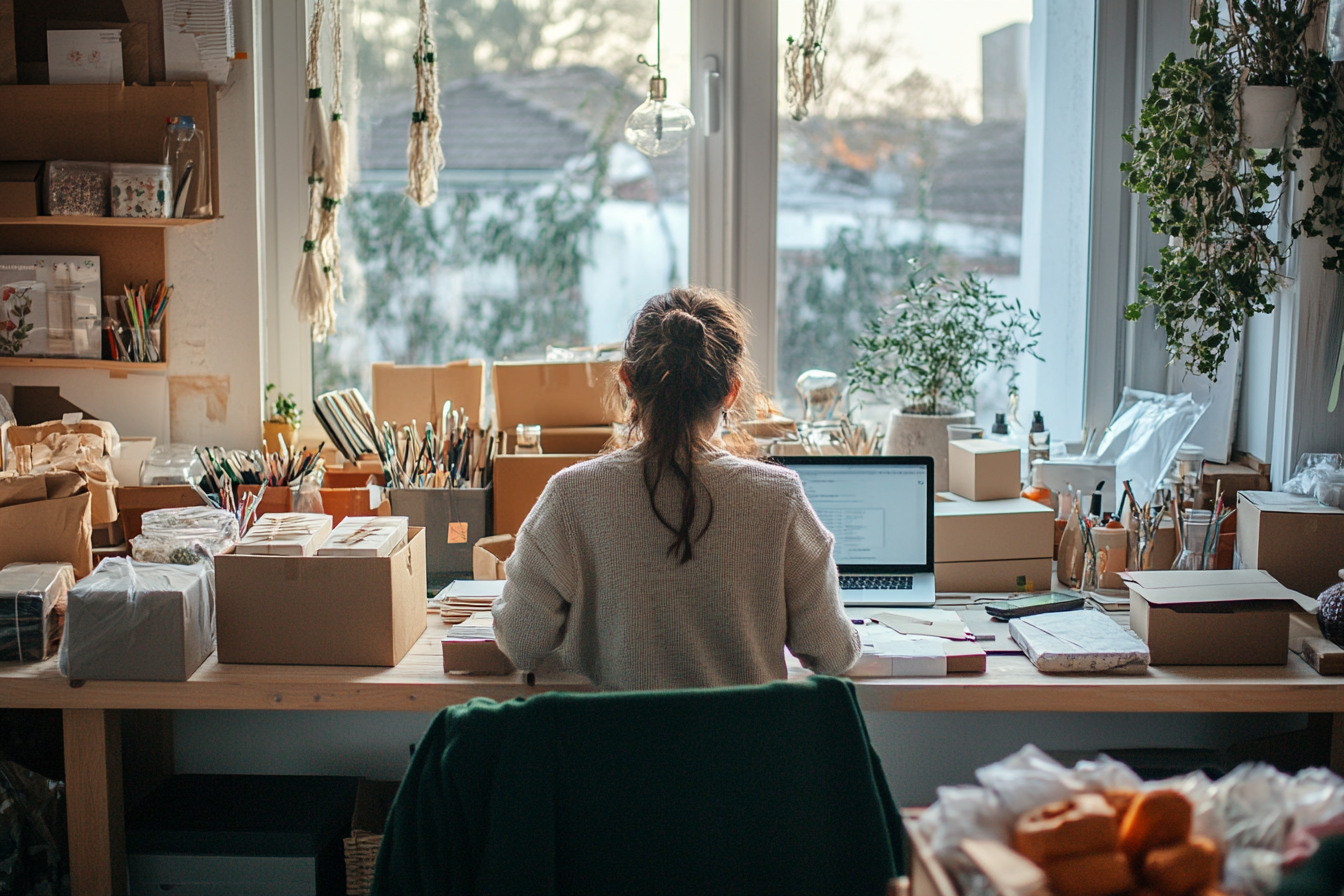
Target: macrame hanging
x=312, y=292
x=805, y=59
x=424, y=155
x=336, y=184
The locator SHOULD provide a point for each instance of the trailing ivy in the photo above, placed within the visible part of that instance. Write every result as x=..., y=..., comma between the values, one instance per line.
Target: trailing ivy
x=1218, y=199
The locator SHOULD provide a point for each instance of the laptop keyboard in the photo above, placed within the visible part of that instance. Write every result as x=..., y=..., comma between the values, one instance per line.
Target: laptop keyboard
x=876, y=583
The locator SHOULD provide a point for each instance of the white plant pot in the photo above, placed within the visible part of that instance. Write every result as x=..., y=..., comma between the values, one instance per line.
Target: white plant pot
x=923, y=434
x=1264, y=114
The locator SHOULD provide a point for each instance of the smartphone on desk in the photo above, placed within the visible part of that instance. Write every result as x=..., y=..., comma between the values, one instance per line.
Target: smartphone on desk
x=1030, y=606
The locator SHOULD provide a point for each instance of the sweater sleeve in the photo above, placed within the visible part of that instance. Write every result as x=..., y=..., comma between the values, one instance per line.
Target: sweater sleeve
x=819, y=632
x=531, y=614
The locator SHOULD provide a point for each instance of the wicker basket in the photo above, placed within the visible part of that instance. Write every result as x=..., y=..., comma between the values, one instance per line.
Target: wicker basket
x=361, y=853
x=372, y=803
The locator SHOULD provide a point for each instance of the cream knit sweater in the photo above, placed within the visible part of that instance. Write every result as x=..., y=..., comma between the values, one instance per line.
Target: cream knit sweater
x=590, y=575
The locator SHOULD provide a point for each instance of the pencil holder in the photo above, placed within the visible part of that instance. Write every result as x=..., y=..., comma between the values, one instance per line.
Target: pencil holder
x=1199, y=541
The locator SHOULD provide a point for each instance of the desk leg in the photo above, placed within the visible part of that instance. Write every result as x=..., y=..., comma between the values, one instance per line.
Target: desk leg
x=94, y=802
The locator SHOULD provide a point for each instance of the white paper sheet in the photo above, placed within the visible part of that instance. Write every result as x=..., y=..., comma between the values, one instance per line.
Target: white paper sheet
x=84, y=57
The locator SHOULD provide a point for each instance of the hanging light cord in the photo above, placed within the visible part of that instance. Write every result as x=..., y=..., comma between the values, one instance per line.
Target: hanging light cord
x=657, y=64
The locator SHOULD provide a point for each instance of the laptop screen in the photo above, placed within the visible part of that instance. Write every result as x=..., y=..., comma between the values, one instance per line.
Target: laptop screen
x=879, y=513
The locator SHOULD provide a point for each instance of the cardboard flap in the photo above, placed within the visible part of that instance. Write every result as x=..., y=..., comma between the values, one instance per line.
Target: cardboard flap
x=1165, y=588
x=1282, y=502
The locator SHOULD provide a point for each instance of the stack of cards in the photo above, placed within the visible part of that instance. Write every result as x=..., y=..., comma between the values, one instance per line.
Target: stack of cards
x=286, y=534
x=464, y=597
x=365, y=536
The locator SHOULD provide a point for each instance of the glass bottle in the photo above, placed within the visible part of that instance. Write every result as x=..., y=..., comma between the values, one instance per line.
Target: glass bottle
x=1196, y=545
x=185, y=152
x=1071, y=552
x=1038, y=439
x=1038, y=491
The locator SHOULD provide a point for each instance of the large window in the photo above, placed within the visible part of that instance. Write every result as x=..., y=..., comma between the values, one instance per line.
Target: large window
x=913, y=159
x=549, y=228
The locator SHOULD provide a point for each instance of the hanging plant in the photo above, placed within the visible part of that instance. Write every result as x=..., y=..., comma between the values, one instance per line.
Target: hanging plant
x=1212, y=191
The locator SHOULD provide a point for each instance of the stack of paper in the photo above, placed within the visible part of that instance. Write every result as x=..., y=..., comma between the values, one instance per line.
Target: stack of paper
x=365, y=536
x=889, y=654
x=464, y=597
x=479, y=626
x=198, y=40
x=1079, y=641
x=286, y=534
x=84, y=57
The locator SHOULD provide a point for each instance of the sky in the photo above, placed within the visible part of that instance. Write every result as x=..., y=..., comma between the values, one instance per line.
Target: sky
x=941, y=37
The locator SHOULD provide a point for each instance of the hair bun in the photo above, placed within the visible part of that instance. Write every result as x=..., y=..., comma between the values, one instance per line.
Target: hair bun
x=683, y=329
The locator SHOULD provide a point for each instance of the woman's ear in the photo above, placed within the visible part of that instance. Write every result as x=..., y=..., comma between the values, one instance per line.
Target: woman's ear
x=623, y=373
x=733, y=392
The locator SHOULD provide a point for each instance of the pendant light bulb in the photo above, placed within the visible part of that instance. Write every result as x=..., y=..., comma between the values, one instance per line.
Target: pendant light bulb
x=658, y=126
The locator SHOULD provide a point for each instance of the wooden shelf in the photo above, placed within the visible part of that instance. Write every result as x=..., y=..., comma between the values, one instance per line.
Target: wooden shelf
x=87, y=221
x=113, y=367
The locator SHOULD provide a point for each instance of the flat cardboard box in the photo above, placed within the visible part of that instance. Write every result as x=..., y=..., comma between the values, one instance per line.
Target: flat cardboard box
x=519, y=481
x=1025, y=574
x=321, y=611
x=454, y=519
x=984, y=469
x=1294, y=538
x=406, y=392
x=20, y=189
x=973, y=531
x=482, y=656
x=540, y=393
x=573, y=439
x=1213, y=617
x=286, y=535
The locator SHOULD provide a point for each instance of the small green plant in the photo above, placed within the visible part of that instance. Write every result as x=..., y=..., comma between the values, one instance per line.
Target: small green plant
x=1217, y=199
x=286, y=408
x=16, y=303
x=932, y=342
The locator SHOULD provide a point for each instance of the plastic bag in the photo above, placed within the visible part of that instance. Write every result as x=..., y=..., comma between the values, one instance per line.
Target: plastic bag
x=1319, y=476
x=168, y=535
x=1027, y=779
x=32, y=833
x=308, y=498
x=29, y=592
x=1147, y=430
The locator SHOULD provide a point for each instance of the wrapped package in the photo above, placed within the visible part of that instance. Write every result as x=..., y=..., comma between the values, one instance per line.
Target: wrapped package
x=286, y=534
x=82, y=446
x=134, y=621
x=32, y=607
x=44, y=518
x=169, y=535
x=365, y=536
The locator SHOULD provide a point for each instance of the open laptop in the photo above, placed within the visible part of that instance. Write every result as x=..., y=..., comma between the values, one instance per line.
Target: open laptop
x=880, y=510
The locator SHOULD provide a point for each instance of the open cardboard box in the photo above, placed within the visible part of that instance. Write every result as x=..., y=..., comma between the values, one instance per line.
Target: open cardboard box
x=1234, y=617
x=321, y=611
x=406, y=392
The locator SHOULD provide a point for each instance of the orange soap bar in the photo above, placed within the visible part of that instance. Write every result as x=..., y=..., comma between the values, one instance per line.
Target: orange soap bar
x=1184, y=868
x=1085, y=824
x=1157, y=818
x=1099, y=874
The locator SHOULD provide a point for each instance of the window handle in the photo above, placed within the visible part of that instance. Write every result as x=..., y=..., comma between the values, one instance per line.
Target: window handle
x=713, y=117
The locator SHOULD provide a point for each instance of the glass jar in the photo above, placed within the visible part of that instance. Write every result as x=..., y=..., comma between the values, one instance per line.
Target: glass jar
x=1197, y=543
x=174, y=464
x=528, y=439
x=185, y=152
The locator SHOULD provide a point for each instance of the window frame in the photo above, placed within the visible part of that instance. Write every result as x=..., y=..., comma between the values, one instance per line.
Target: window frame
x=733, y=185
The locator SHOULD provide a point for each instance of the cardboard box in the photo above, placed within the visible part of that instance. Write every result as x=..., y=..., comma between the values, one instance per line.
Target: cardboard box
x=1026, y=574
x=475, y=656
x=169, y=624
x=539, y=393
x=402, y=393
x=573, y=439
x=488, y=556
x=1214, y=617
x=81, y=446
x=984, y=469
x=454, y=519
x=974, y=531
x=519, y=481
x=1292, y=537
x=1235, y=478
x=133, y=502
x=20, y=189
x=321, y=611
x=45, y=519
x=343, y=502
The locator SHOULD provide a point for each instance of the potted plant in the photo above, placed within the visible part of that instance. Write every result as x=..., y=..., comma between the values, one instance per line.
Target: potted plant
x=925, y=350
x=283, y=422
x=1214, y=155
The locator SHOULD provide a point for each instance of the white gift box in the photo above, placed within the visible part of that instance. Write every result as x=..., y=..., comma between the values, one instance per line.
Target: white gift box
x=286, y=534
x=365, y=536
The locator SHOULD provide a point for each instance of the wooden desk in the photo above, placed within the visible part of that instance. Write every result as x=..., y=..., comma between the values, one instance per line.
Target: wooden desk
x=94, y=713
